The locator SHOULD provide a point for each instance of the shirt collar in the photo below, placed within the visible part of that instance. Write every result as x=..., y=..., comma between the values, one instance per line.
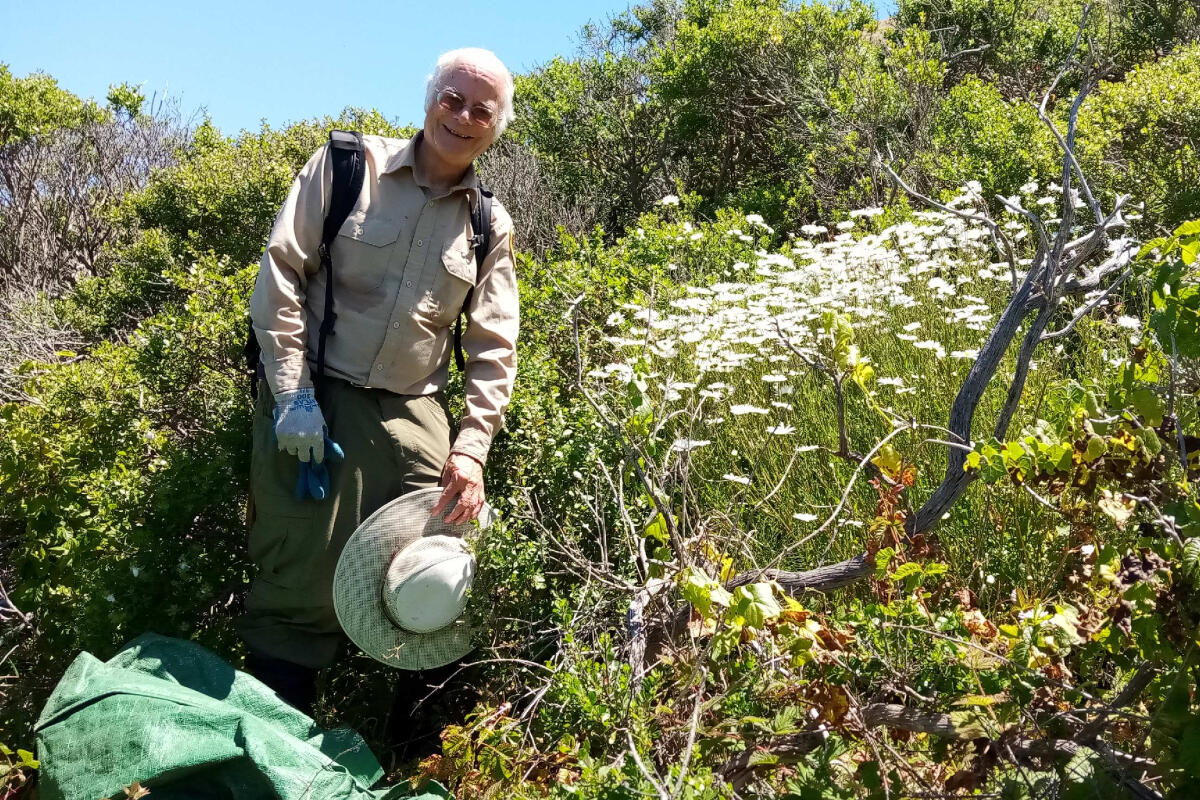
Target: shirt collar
x=407, y=157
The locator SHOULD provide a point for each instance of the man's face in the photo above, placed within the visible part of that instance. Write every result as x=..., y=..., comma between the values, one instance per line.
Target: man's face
x=456, y=138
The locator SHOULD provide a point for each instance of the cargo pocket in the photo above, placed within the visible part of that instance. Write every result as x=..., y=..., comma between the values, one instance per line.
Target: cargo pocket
x=363, y=250
x=282, y=546
x=283, y=529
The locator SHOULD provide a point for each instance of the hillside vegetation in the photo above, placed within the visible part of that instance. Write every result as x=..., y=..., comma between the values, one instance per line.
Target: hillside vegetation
x=851, y=449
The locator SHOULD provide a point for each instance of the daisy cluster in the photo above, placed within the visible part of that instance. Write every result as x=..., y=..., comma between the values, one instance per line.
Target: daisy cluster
x=909, y=284
x=726, y=326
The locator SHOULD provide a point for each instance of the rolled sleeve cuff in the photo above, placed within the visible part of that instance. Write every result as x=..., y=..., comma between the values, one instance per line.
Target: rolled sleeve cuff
x=474, y=443
x=287, y=374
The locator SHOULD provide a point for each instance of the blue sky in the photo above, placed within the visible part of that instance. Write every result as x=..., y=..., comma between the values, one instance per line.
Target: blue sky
x=245, y=61
x=248, y=61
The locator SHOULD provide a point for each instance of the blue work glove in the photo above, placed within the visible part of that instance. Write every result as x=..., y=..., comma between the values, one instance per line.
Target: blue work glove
x=313, y=480
x=299, y=424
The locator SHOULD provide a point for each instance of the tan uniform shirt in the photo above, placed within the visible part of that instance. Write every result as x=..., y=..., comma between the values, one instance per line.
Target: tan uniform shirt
x=402, y=263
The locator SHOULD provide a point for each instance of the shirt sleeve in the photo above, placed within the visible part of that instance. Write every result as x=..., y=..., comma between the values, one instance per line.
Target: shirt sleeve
x=291, y=255
x=490, y=344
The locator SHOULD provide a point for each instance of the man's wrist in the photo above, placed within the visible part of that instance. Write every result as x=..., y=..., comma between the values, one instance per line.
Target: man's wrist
x=474, y=458
x=472, y=442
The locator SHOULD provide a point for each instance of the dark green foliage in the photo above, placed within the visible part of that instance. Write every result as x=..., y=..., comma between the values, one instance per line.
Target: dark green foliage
x=1141, y=136
x=1025, y=42
x=122, y=487
x=767, y=106
x=979, y=135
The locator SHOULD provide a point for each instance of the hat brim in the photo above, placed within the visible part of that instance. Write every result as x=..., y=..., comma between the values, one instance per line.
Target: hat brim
x=358, y=581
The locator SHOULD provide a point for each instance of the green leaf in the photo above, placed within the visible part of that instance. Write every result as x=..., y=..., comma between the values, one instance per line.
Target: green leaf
x=1150, y=441
x=905, y=570
x=883, y=557
x=1148, y=404
x=888, y=459
x=755, y=603
x=935, y=568
x=1189, y=749
x=657, y=529
x=786, y=720
x=1190, y=562
x=763, y=757
x=967, y=725
x=1079, y=769
x=1189, y=251
x=702, y=591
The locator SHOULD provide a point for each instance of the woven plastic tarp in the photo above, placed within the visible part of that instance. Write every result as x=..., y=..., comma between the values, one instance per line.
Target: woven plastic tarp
x=183, y=722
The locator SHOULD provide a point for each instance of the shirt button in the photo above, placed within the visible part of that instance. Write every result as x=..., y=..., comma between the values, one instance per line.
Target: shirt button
x=379, y=367
x=420, y=243
x=408, y=284
x=395, y=324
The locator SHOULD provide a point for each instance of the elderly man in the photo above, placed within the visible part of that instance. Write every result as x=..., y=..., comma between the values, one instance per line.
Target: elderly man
x=403, y=265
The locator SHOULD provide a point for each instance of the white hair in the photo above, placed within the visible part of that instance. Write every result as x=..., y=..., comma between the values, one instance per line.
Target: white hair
x=478, y=57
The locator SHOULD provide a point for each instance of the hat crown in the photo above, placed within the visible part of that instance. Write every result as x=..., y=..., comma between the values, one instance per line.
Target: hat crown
x=379, y=597
x=425, y=586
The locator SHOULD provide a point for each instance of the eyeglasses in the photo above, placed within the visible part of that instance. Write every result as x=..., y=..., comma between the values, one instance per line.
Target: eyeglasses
x=454, y=102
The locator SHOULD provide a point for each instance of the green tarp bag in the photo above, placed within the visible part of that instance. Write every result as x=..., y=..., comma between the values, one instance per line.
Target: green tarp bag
x=183, y=722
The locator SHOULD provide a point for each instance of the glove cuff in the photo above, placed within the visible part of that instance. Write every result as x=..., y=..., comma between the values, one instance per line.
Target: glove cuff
x=303, y=398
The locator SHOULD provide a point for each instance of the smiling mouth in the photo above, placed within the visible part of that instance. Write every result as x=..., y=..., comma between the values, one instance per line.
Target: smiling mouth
x=458, y=135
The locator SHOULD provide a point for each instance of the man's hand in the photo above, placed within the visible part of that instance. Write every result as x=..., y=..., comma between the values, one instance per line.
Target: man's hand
x=313, y=480
x=299, y=424
x=462, y=477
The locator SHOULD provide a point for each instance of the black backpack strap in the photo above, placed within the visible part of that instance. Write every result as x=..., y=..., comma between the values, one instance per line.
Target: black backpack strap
x=481, y=240
x=349, y=168
x=250, y=351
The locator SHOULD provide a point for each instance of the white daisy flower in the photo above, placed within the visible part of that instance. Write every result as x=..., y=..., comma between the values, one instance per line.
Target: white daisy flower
x=739, y=410
x=1132, y=323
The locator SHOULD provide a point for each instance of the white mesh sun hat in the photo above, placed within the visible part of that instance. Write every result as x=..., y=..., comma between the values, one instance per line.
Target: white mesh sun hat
x=401, y=583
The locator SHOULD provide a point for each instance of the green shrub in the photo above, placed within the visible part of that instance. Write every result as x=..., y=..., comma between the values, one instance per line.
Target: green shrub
x=979, y=135
x=1026, y=43
x=122, y=484
x=225, y=193
x=1141, y=136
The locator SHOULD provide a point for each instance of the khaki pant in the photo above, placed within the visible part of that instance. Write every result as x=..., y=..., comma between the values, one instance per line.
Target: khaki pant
x=394, y=444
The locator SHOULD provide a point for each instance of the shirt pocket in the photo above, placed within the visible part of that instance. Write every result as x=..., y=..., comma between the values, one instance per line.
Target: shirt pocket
x=453, y=277
x=363, y=250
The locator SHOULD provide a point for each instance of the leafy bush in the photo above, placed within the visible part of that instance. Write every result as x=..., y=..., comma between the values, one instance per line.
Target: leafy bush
x=769, y=106
x=124, y=476
x=979, y=135
x=123, y=484
x=1142, y=136
x=1025, y=44
x=225, y=194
